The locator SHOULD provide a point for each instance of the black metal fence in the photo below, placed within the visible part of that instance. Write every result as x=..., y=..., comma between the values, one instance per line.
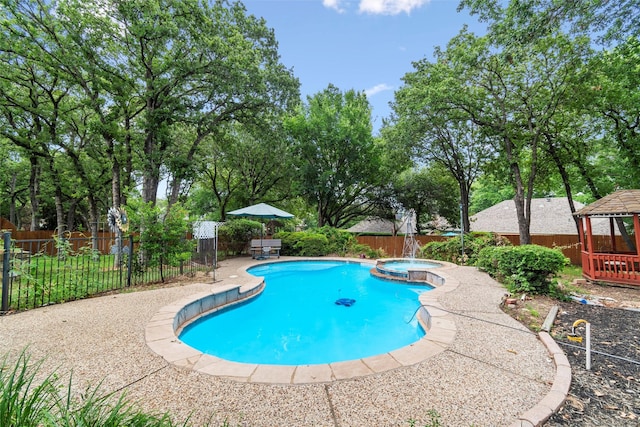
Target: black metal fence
x=40, y=272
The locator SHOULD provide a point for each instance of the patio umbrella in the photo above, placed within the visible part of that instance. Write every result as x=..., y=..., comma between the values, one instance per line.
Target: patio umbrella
x=261, y=211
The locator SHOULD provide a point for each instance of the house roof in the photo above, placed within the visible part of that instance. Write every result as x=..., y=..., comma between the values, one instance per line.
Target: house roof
x=620, y=203
x=381, y=226
x=548, y=216
x=373, y=225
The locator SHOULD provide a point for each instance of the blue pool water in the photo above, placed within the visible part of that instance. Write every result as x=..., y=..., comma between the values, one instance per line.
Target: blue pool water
x=296, y=320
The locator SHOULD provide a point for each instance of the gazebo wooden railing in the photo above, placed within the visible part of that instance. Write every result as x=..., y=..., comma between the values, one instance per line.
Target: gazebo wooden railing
x=609, y=267
x=613, y=266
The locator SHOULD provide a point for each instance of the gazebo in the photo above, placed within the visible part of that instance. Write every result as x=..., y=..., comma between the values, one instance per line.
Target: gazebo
x=617, y=258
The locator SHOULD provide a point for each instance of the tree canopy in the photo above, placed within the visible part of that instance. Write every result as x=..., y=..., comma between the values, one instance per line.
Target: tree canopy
x=102, y=101
x=339, y=161
x=135, y=82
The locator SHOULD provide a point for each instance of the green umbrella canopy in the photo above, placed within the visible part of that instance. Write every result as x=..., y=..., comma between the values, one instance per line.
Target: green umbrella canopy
x=261, y=210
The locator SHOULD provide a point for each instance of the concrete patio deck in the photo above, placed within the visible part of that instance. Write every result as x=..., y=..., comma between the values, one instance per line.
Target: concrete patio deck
x=485, y=369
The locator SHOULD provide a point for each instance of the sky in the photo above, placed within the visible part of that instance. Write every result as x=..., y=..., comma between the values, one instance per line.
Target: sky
x=365, y=45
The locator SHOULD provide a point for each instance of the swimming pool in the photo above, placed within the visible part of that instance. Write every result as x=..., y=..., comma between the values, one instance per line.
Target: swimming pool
x=296, y=321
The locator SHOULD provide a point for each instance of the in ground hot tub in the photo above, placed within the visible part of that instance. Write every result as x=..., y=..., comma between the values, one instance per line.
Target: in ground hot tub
x=405, y=268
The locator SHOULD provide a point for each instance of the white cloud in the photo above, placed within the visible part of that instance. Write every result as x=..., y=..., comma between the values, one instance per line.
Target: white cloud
x=388, y=7
x=333, y=4
x=377, y=89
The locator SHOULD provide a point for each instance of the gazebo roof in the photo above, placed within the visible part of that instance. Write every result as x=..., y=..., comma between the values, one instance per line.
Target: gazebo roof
x=620, y=203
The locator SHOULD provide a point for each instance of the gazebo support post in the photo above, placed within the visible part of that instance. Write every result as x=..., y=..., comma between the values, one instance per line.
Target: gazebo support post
x=636, y=228
x=584, y=257
x=612, y=235
x=590, y=248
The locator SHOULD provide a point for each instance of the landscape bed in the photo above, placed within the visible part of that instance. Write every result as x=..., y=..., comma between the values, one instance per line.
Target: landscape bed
x=609, y=393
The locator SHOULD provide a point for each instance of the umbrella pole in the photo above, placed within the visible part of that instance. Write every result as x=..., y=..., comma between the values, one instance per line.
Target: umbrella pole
x=261, y=257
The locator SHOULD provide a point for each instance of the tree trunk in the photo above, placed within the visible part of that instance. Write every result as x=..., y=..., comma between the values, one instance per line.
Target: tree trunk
x=522, y=206
x=34, y=192
x=320, y=214
x=126, y=181
x=464, y=206
x=115, y=182
x=60, y=219
x=522, y=201
x=551, y=149
x=150, y=184
x=12, y=203
x=62, y=225
x=93, y=221
x=71, y=214
x=174, y=193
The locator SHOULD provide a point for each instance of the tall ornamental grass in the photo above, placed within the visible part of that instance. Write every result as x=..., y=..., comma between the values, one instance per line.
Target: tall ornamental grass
x=28, y=401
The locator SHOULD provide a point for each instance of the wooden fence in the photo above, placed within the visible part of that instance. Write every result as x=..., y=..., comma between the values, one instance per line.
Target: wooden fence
x=568, y=243
x=44, y=241
x=392, y=245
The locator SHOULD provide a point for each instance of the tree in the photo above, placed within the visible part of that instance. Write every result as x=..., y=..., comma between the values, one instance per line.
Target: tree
x=615, y=97
x=430, y=192
x=608, y=89
x=339, y=162
x=512, y=95
x=527, y=24
x=147, y=69
x=14, y=182
x=522, y=22
x=34, y=101
x=45, y=43
x=433, y=131
x=201, y=65
x=244, y=165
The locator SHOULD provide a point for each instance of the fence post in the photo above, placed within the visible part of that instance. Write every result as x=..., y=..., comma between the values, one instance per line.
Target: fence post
x=129, y=260
x=5, y=272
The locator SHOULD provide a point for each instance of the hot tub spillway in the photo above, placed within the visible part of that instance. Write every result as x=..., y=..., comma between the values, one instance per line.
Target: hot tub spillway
x=404, y=269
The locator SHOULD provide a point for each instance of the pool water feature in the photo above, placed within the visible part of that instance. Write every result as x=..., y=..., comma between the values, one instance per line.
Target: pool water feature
x=296, y=321
x=404, y=268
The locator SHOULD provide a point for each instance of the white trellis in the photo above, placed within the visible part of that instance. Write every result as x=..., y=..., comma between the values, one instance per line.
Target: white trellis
x=207, y=230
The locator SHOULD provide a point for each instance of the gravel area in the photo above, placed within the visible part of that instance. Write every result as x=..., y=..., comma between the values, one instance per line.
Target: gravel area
x=608, y=393
x=494, y=370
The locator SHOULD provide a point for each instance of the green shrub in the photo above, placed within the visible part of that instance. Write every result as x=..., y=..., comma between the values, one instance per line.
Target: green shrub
x=451, y=249
x=235, y=234
x=525, y=268
x=358, y=249
x=313, y=245
x=323, y=241
x=340, y=241
x=163, y=234
x=289, y=240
